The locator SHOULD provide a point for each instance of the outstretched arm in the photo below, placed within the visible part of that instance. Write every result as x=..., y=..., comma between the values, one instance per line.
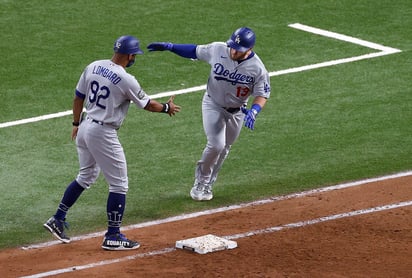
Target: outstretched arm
x=183, y=50
x=169, y=107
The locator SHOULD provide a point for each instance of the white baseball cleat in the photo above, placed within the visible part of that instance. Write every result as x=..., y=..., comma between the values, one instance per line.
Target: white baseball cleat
x=201, y=192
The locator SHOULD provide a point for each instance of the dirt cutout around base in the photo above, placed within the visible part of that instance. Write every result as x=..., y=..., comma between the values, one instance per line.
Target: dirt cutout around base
x=374, y=244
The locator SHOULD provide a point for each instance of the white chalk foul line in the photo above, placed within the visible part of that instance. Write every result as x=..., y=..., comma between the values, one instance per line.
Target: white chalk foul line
x=227, y=208
x=320, y=220
x=384, y=50
x=101, y=263
x=36, y=119
x=230, y=237
x=345, y=38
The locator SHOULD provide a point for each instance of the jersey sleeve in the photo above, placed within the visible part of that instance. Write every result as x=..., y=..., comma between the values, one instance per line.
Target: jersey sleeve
x=136, y=94
x=206, y=52
x=262, y=86
x=81, y=87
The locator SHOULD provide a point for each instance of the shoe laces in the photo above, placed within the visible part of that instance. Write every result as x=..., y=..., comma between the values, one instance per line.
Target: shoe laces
x=207, y=189
x=66, y=225
x=62, y=223
x=200, y=187
x=122, y=236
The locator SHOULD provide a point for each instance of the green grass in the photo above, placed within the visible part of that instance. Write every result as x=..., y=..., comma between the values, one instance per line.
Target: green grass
x=320, y=127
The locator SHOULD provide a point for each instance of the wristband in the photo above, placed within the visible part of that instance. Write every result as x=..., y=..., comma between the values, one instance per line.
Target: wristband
x=256, y=107
x=75, y=123
x=165, y=108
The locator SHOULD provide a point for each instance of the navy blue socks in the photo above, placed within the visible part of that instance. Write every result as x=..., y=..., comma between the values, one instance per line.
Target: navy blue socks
x=72, y=193
x=115, y=207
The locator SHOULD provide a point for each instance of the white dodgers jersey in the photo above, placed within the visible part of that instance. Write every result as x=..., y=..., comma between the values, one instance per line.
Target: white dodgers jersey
x=231, y=83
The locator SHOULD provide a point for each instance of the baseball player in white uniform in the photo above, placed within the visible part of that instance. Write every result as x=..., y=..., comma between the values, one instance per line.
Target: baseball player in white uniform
x=105, y=90
x=236, y=74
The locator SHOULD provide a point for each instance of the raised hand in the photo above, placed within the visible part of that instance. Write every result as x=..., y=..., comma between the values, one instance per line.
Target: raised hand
x=160, y=46
x=173, y=108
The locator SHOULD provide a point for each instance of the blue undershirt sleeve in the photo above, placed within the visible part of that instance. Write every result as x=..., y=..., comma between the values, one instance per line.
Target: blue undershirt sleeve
x=80, y=95
x=185, y=50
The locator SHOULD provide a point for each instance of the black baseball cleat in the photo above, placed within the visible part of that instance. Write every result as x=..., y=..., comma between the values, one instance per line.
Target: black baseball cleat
x=56, y=227
x=119, y=242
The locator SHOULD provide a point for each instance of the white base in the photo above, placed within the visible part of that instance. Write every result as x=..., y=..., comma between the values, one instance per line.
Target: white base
x=206, y=244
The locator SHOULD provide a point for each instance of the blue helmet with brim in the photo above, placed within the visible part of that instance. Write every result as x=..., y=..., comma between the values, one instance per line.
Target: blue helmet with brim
x=127, y=45
x=242, y=39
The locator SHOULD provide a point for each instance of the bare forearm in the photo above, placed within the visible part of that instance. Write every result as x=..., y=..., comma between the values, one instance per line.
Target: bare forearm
x=77, y=108
x=261, y=101
x=154, y=106
x=169, y=107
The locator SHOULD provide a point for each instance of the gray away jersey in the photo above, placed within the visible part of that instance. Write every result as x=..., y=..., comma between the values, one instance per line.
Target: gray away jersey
x=230, y=84
x=108, y=90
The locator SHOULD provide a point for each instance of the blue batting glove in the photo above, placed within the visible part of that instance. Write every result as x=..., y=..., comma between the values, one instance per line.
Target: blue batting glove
x=250, y=119
x=160, y=46
x=250, y=115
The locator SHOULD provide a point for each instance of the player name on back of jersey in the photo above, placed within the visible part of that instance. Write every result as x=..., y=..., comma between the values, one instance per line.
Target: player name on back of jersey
x=105, y=72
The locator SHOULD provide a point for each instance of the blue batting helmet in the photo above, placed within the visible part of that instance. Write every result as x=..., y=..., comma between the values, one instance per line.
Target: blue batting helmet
x=242, y=39
x=127, y=45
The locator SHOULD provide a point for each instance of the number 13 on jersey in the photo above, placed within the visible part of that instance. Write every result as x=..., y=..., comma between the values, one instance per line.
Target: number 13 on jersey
x=242, y=91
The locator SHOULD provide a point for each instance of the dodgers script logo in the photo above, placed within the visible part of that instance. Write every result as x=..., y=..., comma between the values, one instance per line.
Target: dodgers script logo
x=232, y=77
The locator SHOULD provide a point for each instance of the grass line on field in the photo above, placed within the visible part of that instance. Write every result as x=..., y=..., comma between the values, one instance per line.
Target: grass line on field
x=229, y=237
x=383, y=50
x=232, y=207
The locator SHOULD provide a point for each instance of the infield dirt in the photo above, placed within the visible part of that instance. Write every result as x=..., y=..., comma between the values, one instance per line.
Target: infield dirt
x=377, y=244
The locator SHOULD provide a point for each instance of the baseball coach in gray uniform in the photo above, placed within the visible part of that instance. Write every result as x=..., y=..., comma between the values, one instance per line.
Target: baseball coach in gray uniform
x=105, y=90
